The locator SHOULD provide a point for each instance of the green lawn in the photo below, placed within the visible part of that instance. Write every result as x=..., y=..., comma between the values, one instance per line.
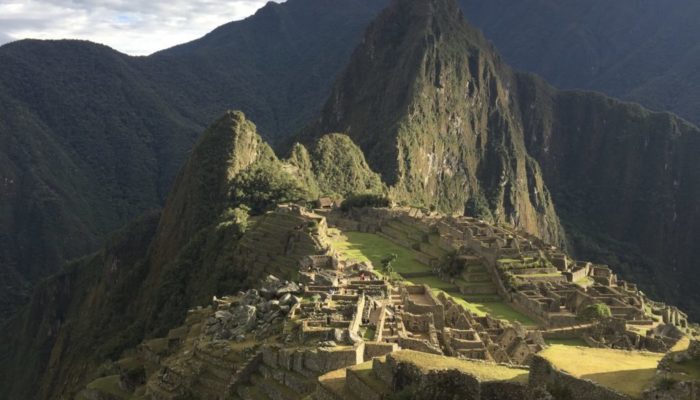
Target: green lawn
x=629, y=372
x=361, y=246
x=484, y=371
x=502, y=310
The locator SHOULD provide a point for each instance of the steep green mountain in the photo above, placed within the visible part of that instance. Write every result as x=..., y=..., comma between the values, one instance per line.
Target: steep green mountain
x=91, y=138
x=447, y=124
x=428, y=101
x=205, y=242
x=644, y=51
x=340, y=167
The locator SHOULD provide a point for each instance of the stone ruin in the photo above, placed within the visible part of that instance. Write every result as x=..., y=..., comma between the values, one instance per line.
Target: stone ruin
x=535, y=278
x=348, y=304
x=252, y=312
x=341, y=315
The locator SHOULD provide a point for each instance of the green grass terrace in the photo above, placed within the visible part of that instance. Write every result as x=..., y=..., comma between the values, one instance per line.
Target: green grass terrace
x=359, y=246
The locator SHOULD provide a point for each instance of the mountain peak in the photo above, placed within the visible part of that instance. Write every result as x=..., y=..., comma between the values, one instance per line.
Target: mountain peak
x=428, y=100
x=201, y=189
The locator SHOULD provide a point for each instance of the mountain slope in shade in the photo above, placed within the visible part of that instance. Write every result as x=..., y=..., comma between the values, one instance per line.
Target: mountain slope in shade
x=428, y=100
x=202, y=244
x=91, y=137
x=625, y=182
x=644, y=51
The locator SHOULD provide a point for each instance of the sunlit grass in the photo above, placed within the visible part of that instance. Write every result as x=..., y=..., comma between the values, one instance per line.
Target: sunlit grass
x=628, y=372
x=484, y=371
x=361, y=246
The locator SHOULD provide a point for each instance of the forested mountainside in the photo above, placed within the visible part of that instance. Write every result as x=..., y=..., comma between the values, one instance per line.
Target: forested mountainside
x=451, y=126
x=205, y=242
x=91, y=137
x=644, y=51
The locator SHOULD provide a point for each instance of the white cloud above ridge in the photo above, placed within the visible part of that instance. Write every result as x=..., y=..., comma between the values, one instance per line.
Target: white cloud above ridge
x=130, y=26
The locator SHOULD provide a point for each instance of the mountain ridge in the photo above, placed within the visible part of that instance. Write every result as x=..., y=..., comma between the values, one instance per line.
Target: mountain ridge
x=120, y=127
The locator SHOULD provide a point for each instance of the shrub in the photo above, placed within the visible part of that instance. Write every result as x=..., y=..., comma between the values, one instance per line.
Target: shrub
x=265, y=185
x=594, y=312
x=365, y=200
x=478, y=207
x=665, y=383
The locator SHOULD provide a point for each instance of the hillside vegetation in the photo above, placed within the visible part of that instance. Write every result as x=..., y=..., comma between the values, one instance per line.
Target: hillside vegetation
x=91, y=138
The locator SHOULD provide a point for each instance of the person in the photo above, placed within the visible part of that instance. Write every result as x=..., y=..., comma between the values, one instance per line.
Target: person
x=328, y=319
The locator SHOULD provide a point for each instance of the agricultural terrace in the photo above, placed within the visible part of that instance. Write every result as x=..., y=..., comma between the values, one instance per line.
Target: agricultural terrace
x=628, y=372
x=359, y=246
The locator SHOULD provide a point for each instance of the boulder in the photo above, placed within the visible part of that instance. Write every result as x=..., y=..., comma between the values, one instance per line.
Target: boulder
x=224, y=316
x=244, y=316
x=290, y=287
x=285, y=299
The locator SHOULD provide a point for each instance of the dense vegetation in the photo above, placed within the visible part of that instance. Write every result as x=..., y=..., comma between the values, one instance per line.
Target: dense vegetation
x=594, y=312
x=340, y=167
x=365, y=200
x=91, y=138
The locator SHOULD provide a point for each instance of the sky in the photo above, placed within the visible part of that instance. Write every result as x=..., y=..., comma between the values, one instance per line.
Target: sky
x=136, y=27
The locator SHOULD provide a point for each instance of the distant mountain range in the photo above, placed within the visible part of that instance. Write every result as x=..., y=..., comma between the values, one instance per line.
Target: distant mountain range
x=639, y=50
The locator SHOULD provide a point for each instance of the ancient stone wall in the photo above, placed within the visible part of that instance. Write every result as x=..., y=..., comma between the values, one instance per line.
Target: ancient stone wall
x=316, y=360
x=418, y=345
x=449, y=384
x=379, y=349
x=434, y=307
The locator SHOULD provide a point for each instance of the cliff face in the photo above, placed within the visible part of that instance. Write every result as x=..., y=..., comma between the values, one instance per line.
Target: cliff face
x=624, y=182
x=429, y=102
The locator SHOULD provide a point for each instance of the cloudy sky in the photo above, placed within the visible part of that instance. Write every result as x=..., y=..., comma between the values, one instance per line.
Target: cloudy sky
x=136, y=27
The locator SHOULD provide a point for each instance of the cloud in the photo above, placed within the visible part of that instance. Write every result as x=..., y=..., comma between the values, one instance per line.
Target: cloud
x=5, y=38
x=132, y=26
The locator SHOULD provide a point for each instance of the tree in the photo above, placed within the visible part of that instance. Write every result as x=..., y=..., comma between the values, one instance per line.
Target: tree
x=263, y=186
x=594, y=312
